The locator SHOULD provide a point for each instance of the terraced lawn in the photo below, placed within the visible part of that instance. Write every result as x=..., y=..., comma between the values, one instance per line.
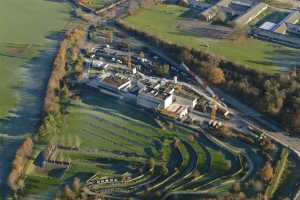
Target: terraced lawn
x=162, y=21
x=116, y=138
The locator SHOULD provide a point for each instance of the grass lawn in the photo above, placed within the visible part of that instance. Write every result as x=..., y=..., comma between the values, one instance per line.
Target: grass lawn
x=117, y=138
x=219, y=163
x=98, y=4
x=104, y=130
x=40, y=183
x=162, y=19
x=24, y=28
x=280, y=4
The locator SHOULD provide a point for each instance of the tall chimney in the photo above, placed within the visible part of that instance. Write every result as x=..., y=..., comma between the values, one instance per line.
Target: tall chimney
x=175, y=79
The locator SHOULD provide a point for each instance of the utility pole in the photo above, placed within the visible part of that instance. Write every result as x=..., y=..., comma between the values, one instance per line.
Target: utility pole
x=91, y=64
x=110, y=35
x=129, y=64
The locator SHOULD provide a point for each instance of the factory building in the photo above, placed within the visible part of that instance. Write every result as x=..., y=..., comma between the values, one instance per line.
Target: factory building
x=185, y=99
x=111, y=84
x=154, y=98
x=176, y=111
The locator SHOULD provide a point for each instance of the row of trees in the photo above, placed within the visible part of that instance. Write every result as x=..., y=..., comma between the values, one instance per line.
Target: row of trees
x=55, y=98
x=19, y=165
x=73, y=192
x=60, y=66
x=280, y=168
x=276, y=95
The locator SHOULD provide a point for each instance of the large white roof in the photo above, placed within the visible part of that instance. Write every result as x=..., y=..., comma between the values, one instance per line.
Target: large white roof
x=267, y=26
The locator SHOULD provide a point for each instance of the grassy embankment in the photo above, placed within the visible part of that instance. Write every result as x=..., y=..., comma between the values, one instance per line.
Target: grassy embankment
x=162, y=20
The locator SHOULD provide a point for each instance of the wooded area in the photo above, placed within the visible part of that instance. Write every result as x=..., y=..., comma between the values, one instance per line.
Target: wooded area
x=277, y=95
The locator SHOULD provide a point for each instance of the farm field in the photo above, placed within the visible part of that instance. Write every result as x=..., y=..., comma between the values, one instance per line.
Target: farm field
x=28, y=43
x=116, y=138
x=23, y=36
x=162, y=21
x=98, y=4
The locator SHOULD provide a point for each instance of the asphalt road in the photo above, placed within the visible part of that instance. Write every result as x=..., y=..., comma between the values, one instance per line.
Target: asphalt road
x=255, y=119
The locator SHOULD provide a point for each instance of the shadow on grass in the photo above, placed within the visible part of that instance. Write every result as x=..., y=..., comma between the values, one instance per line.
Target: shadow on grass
x=190, y=13
x=110, y=105
x=26, y=118
x=280, y=59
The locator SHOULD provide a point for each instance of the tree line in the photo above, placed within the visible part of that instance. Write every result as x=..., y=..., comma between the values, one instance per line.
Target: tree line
x=69, y=50
x=15, y=179
x=276, y=95
x=66, y=65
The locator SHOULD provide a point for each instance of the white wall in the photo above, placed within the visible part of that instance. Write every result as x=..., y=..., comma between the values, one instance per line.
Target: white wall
x=168, y=101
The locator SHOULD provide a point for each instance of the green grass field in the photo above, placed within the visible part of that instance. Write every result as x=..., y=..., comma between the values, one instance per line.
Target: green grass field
x=24, y=28
x=162, y=19
x=98, y=4
x=116, y=138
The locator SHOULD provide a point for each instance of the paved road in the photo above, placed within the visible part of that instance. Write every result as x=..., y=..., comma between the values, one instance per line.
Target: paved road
x=255, y=119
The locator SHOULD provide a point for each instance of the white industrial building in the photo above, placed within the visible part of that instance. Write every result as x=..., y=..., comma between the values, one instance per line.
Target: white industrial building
x=154, y=98
x=115, y=82
x=161, y=95
x=185, y=99
x=267, y=26
x=96, y=63
x=111, y=83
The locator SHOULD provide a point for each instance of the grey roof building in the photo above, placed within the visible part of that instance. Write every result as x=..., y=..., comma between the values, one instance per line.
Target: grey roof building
x=250, y=15
x=211, y=12
x=292, y=18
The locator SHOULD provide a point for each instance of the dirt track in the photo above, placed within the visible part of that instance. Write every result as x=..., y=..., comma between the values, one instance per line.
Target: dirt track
x=198, y=28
